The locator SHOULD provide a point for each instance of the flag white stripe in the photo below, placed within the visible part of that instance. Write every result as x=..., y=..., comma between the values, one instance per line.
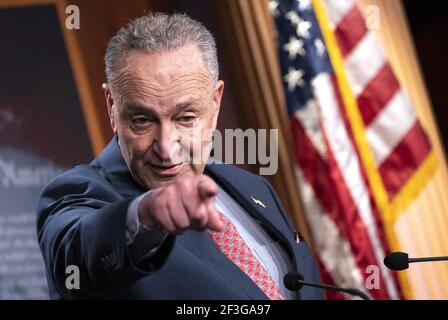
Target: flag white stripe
x=361, y=65
x=309, y=118
x=390, y=127
x=334, y=250
x=346, y=158
x=337, y=10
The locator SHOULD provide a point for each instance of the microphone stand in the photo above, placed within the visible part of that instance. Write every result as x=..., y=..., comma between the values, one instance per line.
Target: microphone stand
x=354, y=292
x=428, y=259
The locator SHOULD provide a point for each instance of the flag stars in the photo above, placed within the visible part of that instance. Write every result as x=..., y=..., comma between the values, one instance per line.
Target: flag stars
x=294, y=78
x=293, y=17
x=304, y=4
x=303, y=28
x=294, y=47
x=273, y=7
x=320, y=47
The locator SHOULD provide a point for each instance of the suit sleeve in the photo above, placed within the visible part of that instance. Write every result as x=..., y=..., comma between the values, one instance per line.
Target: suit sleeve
x=82, y=222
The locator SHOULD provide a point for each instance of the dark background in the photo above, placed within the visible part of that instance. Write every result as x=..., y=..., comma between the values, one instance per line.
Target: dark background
x=428, y=21
x=39, y=106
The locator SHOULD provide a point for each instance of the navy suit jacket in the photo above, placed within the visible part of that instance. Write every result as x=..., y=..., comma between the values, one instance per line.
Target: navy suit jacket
x=82, y=220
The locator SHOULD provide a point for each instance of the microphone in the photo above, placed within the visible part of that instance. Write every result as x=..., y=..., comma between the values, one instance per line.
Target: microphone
x=400, y=260
x=294, y=281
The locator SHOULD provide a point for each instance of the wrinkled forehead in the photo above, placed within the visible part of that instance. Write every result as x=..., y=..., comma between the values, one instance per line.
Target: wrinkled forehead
x=163, y=74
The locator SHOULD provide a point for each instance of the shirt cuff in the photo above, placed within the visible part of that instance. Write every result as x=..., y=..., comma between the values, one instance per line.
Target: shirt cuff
x=144, y=244
x=132, y=220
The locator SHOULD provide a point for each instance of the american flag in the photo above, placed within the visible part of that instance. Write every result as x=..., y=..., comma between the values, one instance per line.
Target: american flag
x=358, y=143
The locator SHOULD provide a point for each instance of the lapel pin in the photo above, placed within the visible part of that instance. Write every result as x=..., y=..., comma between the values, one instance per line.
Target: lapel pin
x=298, y=237
x=256, y=201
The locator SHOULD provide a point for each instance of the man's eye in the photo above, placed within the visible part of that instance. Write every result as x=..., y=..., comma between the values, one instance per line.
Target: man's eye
x=140, y=121
x=187, y=119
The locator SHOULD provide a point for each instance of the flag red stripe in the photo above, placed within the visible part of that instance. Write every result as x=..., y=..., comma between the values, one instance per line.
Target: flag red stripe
x=377, y=94
x=327, y=279
x=357, y=233
x=315, y=172
x=330, y=189
x=407, y=156
x=350, y=31
x=375, y=212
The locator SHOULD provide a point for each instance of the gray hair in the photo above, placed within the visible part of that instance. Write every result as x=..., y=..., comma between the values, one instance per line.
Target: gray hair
x=157, y=33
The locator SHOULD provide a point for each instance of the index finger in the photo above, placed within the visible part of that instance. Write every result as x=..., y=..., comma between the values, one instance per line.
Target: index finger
x=207, y=188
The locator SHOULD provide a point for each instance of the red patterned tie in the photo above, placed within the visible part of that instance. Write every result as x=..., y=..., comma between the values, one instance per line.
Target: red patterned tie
x=233, y=246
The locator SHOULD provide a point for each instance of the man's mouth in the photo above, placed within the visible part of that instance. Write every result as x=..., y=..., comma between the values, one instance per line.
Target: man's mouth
x=166, y=170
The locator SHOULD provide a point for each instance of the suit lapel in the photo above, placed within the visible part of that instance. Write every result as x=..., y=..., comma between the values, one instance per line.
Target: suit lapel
x=264, y=214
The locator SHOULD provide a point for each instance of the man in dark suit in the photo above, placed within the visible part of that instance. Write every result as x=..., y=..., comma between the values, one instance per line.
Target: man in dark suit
x=142, y=222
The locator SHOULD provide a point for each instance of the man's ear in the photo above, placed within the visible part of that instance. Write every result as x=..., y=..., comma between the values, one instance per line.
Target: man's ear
x=217, y=97
x=110, y=105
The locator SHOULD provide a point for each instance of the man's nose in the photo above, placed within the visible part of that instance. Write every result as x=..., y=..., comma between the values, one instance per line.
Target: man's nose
x=167, y=142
